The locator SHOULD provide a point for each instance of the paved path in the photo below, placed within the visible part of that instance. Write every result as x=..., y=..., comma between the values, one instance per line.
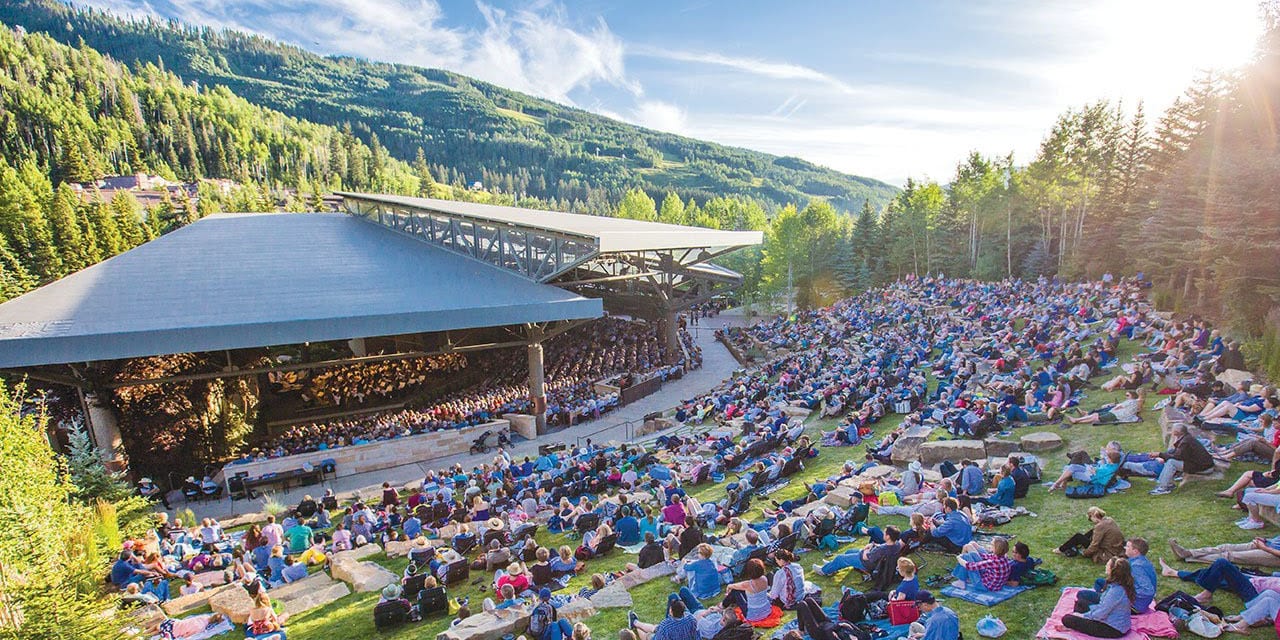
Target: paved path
x=717, y=365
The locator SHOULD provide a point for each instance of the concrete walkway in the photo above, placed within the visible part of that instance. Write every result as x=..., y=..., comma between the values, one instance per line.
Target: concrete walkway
x=717, y=365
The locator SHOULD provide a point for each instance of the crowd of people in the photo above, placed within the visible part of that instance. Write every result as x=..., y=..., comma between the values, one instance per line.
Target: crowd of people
x=575, y=361
x=1001, y=355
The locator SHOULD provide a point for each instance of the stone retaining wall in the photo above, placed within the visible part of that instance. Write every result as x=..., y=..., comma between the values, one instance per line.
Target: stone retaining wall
x=374, y=456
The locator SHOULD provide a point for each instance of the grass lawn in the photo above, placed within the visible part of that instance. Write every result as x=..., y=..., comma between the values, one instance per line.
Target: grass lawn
x=1192, y=515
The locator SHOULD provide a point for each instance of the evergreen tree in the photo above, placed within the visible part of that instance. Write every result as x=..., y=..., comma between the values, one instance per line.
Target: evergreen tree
x=105, y=229
x=128, y=218
x=65, y=226
x=92, y=480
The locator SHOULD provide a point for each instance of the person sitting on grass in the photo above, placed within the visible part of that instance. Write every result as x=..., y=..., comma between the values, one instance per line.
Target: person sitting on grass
x=545, y=622
x=1105, y=614
x=1100, y=543
x=1253, y=479
x=940, y=623
x=864, y=559
x=750, y=595
x=1254, y=500
x=294, y=570
x=1020, y=562
x=1186, y=455
x=1003, y=494
x=1100, y=474
x=262, y=617
x=1143, y=573
x=702, y=573
x=979, y=570
x=676, y=626
x=954, y=531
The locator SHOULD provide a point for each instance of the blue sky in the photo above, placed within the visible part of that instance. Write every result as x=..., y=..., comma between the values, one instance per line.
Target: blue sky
x=882, y=89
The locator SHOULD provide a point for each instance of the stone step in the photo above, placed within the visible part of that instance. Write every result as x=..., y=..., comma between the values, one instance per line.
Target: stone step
x=308, y=600
x=317, y=580
x=176, y=607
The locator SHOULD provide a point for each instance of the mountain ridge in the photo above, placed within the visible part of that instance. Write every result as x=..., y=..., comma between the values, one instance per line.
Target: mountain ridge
x=470, y=130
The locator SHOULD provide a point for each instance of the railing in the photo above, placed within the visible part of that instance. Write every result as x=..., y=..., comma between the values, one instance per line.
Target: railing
x=628, y=428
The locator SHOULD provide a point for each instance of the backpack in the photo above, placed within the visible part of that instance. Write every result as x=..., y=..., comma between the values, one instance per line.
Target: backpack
x=853, y=607
x=947, y=468
x=1038, y=577
x=1087, y=491
x=541, y=618
x=1180, y=600
x=1032, y=467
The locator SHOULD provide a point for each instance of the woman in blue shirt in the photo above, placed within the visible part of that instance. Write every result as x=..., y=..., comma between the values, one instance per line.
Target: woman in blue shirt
x=1110, y=616
x=703, y=574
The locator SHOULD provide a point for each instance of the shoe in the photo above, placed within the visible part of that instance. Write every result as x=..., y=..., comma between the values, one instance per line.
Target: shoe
x=817, y=568
x=1251, y=524
x=1160, y=491
x=632, y=619
x=1179, y=550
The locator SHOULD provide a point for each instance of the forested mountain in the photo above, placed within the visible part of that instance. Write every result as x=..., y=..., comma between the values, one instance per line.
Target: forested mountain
x=469, y=130
x=70, y=115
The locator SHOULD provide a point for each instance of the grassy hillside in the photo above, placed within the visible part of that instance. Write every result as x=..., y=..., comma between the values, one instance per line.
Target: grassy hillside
x=470, y=130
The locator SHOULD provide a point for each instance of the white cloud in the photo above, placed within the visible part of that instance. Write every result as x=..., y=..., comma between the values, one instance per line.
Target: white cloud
x=662, y=116
x=756, y=66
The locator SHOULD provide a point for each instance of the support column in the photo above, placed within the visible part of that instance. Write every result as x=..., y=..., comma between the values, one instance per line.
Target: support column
x=537, y=389
x=357, y=347
x=103, y=429
x=669, y=325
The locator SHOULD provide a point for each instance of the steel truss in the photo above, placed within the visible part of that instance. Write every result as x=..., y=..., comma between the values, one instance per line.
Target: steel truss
x=648, y=283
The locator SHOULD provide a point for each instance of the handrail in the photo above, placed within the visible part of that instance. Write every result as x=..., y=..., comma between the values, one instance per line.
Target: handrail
x=628, y=432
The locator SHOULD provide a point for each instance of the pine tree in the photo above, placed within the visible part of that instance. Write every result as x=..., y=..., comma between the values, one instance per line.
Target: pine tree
x=92, y=479
x=128, y=217
x=66, y=229
x=15, y=280
x=23, y=223
x=110, y=242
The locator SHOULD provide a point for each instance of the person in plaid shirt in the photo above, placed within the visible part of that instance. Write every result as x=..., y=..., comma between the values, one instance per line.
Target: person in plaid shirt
x=979, y=569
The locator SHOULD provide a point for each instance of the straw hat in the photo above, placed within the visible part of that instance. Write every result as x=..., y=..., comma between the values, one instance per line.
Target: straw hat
x=421, y=541
x=515, y=569
x=495, y=524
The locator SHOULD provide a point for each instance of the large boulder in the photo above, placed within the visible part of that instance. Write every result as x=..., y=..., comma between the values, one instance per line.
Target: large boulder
x=177, y=607
x=954, y=450
x=840, y=497
x=1233, y=377
x=398, y=549
x=614, y=596
x=234, y=603
x=796, y=412
x=907, y=447
x=997, y=447
x=488, y=626
x=577, y=610
x=318, y=596
x=364, y=576
x=359, y=553
x=1041, y=441
x=243, y=519
x=148, y=617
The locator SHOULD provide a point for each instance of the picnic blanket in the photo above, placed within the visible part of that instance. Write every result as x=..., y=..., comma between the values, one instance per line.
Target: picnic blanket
x=895, y=632
x=982, y=596
x=1148, y=625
